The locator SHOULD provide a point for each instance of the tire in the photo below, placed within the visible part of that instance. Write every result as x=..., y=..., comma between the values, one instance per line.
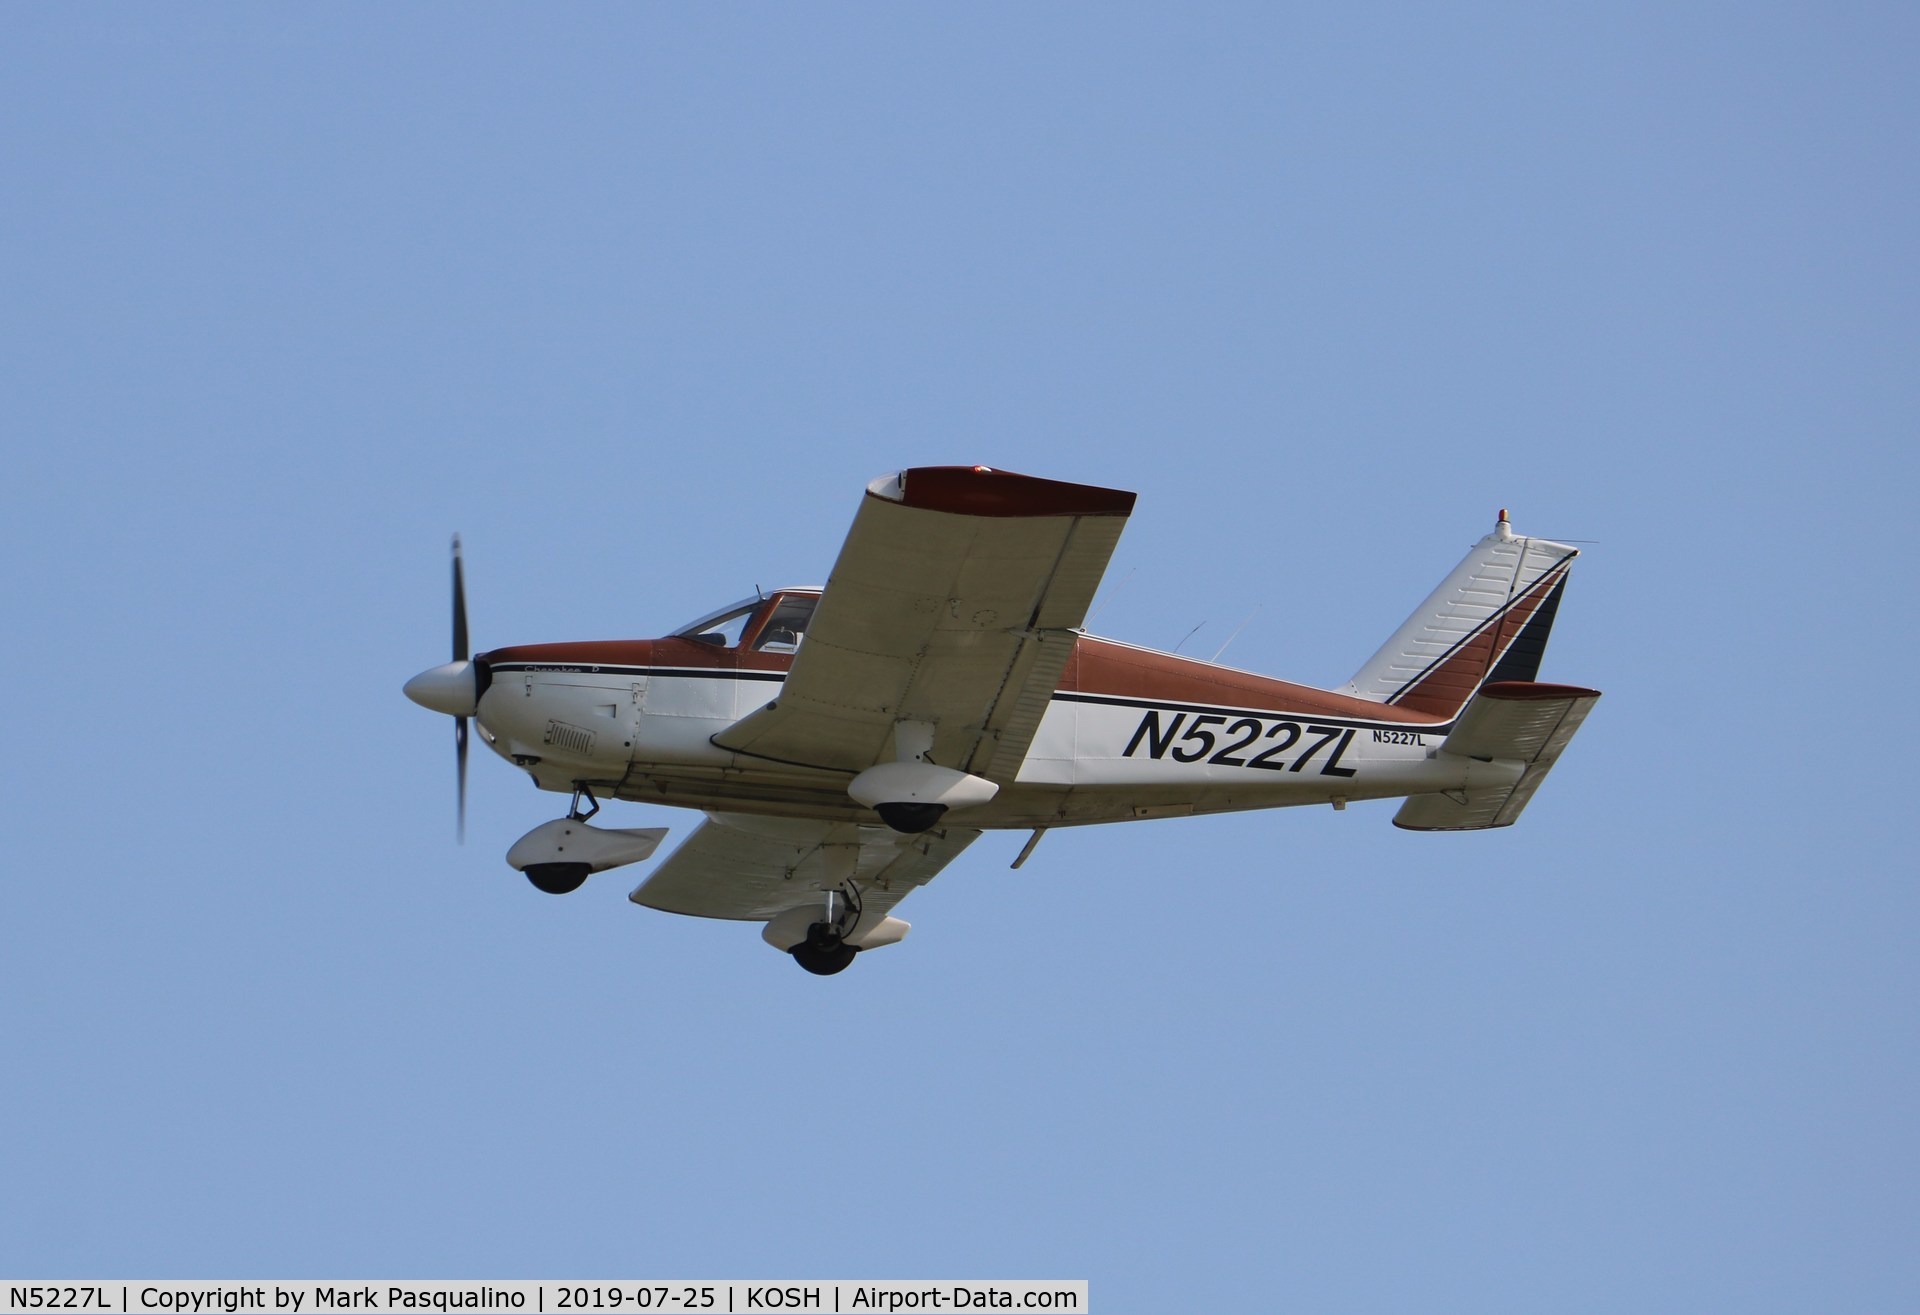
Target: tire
x=558, y=878
x=823, y=960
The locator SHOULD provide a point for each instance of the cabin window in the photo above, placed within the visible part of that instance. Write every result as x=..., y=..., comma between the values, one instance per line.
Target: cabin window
x=788, y=625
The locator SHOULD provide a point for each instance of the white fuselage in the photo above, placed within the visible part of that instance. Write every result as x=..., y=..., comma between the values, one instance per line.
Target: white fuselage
x=646, y=733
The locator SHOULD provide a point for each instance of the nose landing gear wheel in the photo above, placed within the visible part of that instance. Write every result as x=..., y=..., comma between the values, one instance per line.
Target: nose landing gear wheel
x=558, y=878
x=823, y=953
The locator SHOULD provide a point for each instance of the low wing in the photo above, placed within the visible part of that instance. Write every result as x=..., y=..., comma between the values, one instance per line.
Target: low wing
x=954, y=601
x=754, y=868
x=1507, y=721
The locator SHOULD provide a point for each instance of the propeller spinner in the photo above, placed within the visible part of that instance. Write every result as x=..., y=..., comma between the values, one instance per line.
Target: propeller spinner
x=455, y=687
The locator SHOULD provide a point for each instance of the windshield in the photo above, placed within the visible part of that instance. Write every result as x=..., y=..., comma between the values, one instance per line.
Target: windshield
x=723, y=627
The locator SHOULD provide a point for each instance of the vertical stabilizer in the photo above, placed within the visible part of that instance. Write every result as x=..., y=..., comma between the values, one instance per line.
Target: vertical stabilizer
x=1488, y=620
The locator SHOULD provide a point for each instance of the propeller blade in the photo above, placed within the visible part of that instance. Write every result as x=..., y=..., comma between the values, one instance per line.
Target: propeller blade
x=459, y=606
x=460, y=767
x=460, y=723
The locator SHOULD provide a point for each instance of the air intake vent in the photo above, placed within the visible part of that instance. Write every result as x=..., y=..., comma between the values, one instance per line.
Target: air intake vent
x=563, y=736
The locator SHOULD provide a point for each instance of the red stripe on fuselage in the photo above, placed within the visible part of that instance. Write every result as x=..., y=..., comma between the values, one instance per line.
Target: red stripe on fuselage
x=1096, y=666
x=1100, y=666
x=673, y=651
x=1445, y=688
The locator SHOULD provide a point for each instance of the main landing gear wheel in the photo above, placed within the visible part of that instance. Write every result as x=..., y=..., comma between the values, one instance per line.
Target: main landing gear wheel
x=911, y=819
x=823, y=953
x=558, y=878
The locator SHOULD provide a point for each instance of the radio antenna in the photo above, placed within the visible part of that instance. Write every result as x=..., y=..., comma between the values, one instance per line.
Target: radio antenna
x=1088, y=623
x=1235, y=635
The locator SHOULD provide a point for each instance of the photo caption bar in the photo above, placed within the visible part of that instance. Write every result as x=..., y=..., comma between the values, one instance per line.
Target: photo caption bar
x=560, y=1297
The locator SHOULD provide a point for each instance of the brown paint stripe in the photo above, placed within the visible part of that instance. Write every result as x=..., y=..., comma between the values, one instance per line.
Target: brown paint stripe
x=669, y=652
x=1445, y=688
x=1528, y=691
x=982, y=491
x=1100, y=666
x=1096, y=666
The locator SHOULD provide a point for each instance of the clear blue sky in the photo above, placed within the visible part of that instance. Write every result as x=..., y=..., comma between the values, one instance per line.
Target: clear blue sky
x=637, y=298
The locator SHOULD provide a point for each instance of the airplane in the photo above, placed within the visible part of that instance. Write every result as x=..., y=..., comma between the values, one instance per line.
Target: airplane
x=847, y=741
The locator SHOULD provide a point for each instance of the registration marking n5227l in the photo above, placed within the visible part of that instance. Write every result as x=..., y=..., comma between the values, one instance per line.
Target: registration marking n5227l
x=1234, y=742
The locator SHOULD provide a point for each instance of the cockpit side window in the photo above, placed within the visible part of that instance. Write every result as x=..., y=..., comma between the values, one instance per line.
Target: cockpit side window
x=788, y=625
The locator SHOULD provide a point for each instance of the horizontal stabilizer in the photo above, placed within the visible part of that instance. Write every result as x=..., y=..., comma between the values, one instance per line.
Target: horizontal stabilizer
x=1516, y=721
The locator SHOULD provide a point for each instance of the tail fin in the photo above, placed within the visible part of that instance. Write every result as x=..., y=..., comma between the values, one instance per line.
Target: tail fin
x=1487, y=621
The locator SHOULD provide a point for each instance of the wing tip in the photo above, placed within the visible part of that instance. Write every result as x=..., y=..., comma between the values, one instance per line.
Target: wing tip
x=1529, y=691
x=984, y=491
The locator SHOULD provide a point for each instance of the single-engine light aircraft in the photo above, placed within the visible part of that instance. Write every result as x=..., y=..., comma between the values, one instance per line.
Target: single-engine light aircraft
x=847, y=741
